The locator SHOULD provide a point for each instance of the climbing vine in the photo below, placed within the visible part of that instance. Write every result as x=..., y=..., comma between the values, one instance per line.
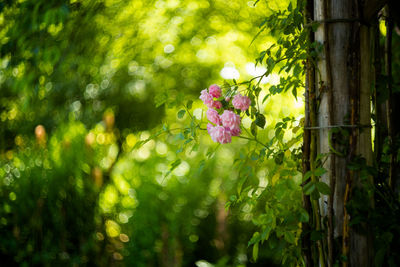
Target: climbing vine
x=293, y=209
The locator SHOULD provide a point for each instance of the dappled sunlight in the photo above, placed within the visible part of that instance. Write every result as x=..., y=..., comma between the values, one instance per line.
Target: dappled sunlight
x=105, y=155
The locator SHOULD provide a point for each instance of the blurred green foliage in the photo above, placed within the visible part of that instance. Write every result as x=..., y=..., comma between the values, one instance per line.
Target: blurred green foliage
x=94, y=167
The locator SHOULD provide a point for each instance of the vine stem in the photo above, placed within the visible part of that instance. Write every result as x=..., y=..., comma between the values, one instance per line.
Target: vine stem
x=157, y=135
x=308, y=247
x=253, y=139
x=313, y=152
x=262, y=75
x=192, y=118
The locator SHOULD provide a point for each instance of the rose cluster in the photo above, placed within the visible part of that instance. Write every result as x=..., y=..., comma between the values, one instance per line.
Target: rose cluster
x=226, y=125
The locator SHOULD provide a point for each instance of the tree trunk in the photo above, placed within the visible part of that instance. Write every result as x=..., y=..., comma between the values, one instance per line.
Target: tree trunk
x=343, y=119
x=361, y=246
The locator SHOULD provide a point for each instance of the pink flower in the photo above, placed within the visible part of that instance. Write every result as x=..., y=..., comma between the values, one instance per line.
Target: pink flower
x=236, y=131
x=210, y=129
x=206, y=98
x=216, y=104
x=241, y=102
x=214, y=90
x=213, y=116
x=230, y=120
x=219, y=134
x=227, y=99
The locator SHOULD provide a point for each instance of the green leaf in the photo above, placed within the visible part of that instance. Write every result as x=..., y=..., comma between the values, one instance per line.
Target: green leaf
x=260, y=120
x=319, y=171
x=278, y=132
x=315, y=195
x=297, y=70
x=187, y=141
x=309, y=188
x=160, y=99
x=304, y=217
x=279, y=158
x=256, y=90
x=255, y=239
x=266, y=232
x=255, y=252
x=181, y=113
x=195, y=147
x=270, y=64
x=307, y=175
x=253, y=128
x=280, y=192
x=179, y=136
x=233, y=198
x=289, y=237
x=175, y=164
x=278, y=53
x=189, y=104
x=262, y=153
x=240, y=184
x=323, y=188
x=294, y=93
x=315, y=26
x=210, y=153
x=270, y=218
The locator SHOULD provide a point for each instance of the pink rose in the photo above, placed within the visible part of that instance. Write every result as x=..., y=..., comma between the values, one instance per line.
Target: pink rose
x=236, y=131
x=219, y=134
x=214, y=90
x=210, y=129
x=241, y=102
x=206, y=98
x=213, y=116
x=230, y=120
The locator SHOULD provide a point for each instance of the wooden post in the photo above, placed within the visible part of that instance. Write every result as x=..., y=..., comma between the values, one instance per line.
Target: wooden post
x=344, y=83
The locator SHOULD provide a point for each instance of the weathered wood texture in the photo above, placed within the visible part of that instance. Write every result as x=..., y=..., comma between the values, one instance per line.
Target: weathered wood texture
x=361, y=247
x=344, y=85
x=339, y=36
